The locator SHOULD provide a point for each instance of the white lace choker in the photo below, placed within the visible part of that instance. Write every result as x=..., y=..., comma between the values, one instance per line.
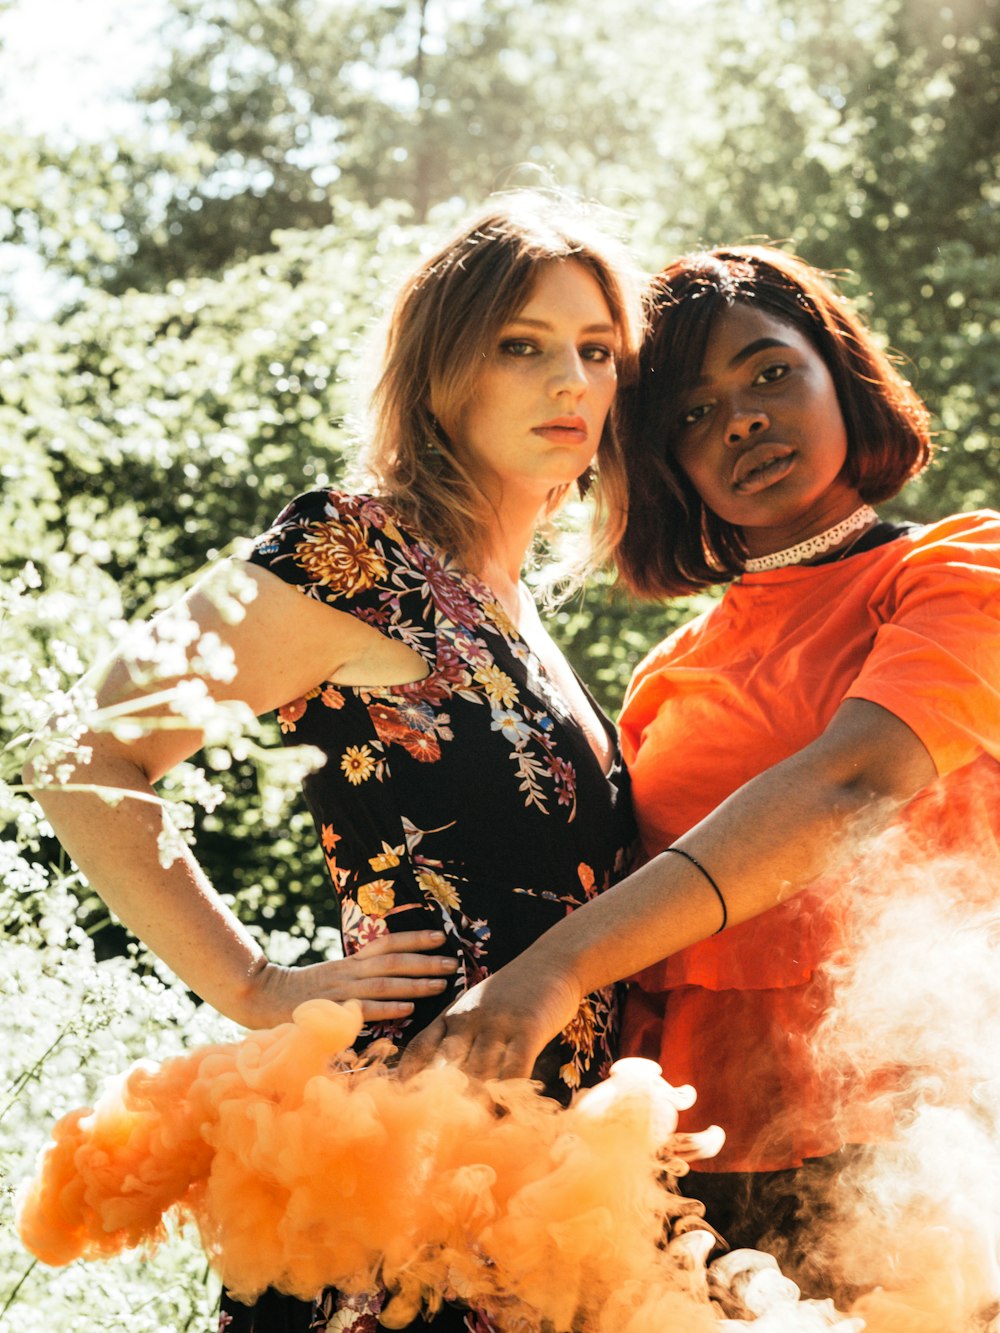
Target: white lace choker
x=813, y=546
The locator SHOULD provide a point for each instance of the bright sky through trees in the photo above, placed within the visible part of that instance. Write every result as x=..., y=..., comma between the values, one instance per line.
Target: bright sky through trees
x=66, y=63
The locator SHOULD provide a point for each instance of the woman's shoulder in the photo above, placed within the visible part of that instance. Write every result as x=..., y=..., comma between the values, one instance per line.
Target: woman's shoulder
x=347, y=520
x=328, y=504
x=973, y=535
x=336, y=542
x=970, y=524
x=677, y=643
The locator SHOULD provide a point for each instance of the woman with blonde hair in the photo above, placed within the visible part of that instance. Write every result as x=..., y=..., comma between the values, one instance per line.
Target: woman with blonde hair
x=471, y=792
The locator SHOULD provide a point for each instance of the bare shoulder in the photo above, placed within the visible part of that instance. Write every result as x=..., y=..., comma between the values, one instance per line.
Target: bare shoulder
x=284, y=642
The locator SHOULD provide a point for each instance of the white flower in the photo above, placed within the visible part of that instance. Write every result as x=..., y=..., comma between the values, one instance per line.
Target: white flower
x=514, y=728
x=214, y=658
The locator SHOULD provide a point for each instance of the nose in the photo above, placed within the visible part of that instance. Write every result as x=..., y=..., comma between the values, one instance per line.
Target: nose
x=744, y=421
x=569, y=375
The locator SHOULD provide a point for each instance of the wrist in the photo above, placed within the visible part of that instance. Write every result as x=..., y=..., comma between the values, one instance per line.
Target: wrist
x=561, y=992
x=255, y=1003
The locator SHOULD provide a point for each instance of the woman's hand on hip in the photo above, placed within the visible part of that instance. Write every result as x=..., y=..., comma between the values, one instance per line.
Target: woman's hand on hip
x=386, y=976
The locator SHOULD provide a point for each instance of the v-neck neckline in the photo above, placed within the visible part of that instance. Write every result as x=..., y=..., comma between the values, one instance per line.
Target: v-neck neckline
x=553, y=695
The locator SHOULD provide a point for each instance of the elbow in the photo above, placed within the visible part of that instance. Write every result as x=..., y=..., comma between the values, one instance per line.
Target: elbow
x=869, y=758
x=53, y=760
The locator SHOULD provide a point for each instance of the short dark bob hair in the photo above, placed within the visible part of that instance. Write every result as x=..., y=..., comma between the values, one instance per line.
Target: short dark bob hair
x=672, y=544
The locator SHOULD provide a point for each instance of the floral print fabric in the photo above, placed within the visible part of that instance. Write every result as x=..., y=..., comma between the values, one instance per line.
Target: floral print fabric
x=467, y=801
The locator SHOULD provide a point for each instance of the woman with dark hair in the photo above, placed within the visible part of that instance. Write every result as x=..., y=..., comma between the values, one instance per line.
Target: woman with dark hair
x=848, y=679
x=471, y=791
x=675, y=542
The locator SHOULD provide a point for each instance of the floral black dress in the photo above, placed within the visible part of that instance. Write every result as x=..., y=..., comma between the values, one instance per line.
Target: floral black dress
x=468, y=801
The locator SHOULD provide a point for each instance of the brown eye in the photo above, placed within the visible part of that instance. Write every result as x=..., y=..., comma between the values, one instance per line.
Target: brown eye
x=772, y=373
x=692, y=415
x=597, y=352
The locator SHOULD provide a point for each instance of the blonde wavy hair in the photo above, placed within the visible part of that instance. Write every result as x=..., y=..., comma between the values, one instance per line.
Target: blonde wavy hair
x=446, y=319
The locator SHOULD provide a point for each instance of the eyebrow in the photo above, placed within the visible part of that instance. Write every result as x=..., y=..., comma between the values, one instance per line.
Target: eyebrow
x=745, y=353
x=546, y=324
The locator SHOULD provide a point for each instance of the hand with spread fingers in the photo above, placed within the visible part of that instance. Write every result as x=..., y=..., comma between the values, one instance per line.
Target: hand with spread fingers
x=499, y=1028
x=386, y=975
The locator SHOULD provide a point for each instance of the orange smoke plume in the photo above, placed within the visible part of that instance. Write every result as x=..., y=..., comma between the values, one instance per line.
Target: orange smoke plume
x=304, y=1165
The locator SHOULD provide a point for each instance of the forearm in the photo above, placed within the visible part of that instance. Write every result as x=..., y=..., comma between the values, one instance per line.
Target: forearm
x=772, y=837
x=174, y=910
x=757, y=861
x=776, y=834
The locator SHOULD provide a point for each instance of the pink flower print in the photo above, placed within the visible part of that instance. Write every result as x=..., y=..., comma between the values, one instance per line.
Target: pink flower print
x=565, y=778
x=370, y=929
x=451, y=666
x=377, y=616
x=445, y=589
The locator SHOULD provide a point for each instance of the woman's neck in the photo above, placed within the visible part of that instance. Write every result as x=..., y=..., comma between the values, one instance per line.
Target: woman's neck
x=837, y=540
x=504, y=581
x=504, y=556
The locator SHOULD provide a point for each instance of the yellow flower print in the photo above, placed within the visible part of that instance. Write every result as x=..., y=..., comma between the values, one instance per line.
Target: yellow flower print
x=501, y=619
x=357, y=763
x=387, y=858
x=499, y=687
x=580, y=1032
x=570, y=1075
x=377, y=897
x=337, y=554
x=439, y=888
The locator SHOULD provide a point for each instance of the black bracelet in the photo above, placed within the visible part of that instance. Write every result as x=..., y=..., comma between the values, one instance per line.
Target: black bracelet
x=679, y=851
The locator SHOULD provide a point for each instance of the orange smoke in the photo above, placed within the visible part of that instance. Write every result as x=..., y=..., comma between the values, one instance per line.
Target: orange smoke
x=915, y=1005
x=303, y=1166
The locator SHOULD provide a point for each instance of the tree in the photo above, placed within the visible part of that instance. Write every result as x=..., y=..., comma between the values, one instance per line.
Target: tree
x=419, y=101
x=146, y=433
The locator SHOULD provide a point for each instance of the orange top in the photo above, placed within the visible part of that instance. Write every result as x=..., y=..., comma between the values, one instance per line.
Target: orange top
x=912, y=625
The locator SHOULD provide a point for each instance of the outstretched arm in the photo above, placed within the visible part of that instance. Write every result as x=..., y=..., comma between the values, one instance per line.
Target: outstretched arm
x=284, y=646
x=773, y=836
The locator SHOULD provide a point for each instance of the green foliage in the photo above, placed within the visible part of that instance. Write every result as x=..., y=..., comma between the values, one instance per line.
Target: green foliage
x=169, y=424
x=147, y=433
x=233, y=256
x=77, y=1021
